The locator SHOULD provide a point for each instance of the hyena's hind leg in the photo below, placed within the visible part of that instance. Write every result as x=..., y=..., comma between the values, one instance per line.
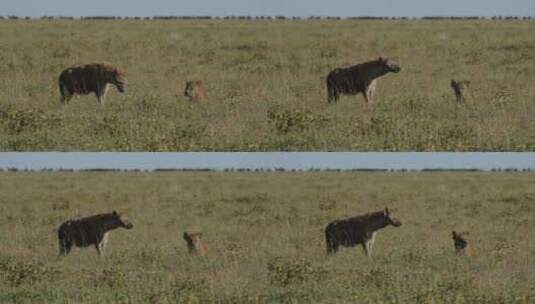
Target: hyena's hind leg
x=66, y=94
x=331, y=244
x=332, y=93
x=332, y=247
x=65, y=246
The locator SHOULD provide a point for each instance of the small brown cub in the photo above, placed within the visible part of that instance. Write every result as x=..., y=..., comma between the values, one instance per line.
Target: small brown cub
x=460, y=88
x=194, y=243
x=195, y=91
x=459, y=241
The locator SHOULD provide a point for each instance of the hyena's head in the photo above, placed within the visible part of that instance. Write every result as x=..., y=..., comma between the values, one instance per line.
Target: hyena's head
x=119, y=80
x=459, y=235
x=191, y=237
x=459, y=85
x=192, y=88
x=121, y=220
x=388, y=66
x=390, y=218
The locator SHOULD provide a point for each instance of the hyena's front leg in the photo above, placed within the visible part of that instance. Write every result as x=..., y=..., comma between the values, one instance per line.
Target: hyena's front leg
x=101, y=93
x=370, y=92
x=65, y=93
x=365, y=247
x=101, y=244
x=367, y=243
x=371, y=240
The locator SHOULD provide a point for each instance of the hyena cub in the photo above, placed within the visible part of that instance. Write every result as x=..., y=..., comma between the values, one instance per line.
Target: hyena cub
x=459, y=241
x=89, y=231
x=194, y=243
x=195, y=91
x=358, y=230
x=460, y=88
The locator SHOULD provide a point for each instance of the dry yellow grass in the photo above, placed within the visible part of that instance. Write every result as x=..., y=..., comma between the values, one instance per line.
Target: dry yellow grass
x=266, y=82
x=264, y=237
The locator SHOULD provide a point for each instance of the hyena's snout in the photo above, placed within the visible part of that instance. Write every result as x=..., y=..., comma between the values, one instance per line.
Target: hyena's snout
x=121, y=87
x=395, y=68
x=396, y=223
x=128, y=225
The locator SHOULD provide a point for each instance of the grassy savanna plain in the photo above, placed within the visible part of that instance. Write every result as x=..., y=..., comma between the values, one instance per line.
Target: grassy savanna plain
x=266, y=85
x=264, y=234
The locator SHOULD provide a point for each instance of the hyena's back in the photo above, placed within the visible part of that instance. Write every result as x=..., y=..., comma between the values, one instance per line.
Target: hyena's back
x=349, y=232
x=90, y=78
x=79, y=233
x=92, y=230
x=80, y=80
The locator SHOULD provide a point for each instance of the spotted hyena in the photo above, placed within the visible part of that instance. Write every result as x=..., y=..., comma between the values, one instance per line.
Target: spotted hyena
x=460, y=88
x=194, y=243
x=195, y=91
x=89, y=231
x=90, y=78
x=459, y=242
x=358, y=230
x=361, y=78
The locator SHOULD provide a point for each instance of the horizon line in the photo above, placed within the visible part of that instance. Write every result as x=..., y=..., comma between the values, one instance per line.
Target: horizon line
x=273, y=17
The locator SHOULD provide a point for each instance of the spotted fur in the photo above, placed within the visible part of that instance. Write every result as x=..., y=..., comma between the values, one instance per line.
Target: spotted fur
x=90, y=78
x=460, y=88
x=195, y=91
x=358, y=230
x=459, y=242
x=194, y=243
x=90, y=231
x=361, y=78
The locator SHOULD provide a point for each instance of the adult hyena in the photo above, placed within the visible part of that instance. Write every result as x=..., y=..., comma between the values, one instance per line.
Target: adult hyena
x=358, y=230
x=89, y=231
x=90, y=78
x=361, y=78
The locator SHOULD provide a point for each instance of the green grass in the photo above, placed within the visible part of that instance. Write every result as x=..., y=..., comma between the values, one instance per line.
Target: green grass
x=266, y=82
x=264, y=235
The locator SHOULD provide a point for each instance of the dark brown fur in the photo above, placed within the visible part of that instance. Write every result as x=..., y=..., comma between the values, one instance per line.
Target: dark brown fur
x=194, y=243
x=89, y=231
x=357, y=230
x=195, y=91
x=460, y=88
x=90, y=78
x=459, y=241
x=360, y=78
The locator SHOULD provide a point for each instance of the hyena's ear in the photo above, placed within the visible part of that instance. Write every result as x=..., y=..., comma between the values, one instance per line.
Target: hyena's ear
x=114, y=212
x=387, y=211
